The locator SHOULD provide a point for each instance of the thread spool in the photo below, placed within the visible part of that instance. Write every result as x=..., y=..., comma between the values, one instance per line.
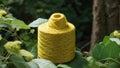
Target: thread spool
x=56, y=39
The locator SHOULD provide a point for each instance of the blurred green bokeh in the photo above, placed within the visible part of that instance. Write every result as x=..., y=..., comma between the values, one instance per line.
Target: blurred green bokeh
x=78, y=12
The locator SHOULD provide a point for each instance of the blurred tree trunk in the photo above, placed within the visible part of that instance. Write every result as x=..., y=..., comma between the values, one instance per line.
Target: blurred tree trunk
x=106, y=18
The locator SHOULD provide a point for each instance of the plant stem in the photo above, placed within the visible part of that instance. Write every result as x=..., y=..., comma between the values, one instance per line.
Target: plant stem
x=7, y=57
x=111, y=59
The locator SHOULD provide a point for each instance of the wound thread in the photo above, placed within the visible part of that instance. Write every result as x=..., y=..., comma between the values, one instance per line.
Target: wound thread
x=56, y=39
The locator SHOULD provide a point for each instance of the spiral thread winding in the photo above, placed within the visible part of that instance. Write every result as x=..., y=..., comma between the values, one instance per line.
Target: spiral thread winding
x=56, y=39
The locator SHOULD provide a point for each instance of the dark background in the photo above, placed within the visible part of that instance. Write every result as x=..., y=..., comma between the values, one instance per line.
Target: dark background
x=78, y=12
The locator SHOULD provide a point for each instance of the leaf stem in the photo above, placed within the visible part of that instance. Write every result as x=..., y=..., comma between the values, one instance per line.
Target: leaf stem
x=111, y=59
x=7, y=57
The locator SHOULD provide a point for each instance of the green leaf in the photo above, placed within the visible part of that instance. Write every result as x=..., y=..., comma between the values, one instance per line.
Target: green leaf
x=3, y=65
x=2, y=42
x=19, y=24
x=5, y=22
x=112, y=50
x=43, y=63
x=102, y=51
x=18, y=61
x=112, y=35
x=92, y=62
x=115, y=40
x=106, y=39
x=9, y=16
x=95, y=64
x=78, y=61
x=32, y=65
x=98, y=52
x=113, y=65
x=37, y=22
x=34, y=50
x=4, y=25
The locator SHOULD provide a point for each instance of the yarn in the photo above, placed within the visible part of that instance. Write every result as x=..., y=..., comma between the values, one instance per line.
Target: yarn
x=56, y=39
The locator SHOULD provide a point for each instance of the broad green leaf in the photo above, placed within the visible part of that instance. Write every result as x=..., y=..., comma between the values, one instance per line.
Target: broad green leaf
x=37, y=22
x=113, y=65
x=6, y=22
x=99, y=52
x=5, y=25
x=112, y=50
x=18, y=61
x=78, y=61
x=102, y=51
x=112, y=35
x=106, y=39
x=32, y=65
x=43, y=63
x=19, y=24
x=9, y=16
x=115, y=40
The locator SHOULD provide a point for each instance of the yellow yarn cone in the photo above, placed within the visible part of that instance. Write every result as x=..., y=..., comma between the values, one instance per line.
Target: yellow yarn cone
x=56, y=39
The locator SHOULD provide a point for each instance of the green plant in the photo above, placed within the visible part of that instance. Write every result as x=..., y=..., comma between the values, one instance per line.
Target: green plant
x=78, y=12
x=11, y=29
x=107, y=53
x=18, y=47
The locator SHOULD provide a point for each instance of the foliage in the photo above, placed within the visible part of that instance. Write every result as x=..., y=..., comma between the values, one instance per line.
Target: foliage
x=107, y=52
x=14, y=37
x=78, y=12
x=19, y=49
x=18, y=45
x=37, y=22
